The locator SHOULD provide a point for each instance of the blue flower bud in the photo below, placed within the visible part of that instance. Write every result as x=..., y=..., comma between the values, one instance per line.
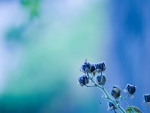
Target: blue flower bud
x=111, y=106
x=101, y=79
x=86, y=67
x=100, y=67
x=130, y=89
x=116, y=91
x=93, y=68
x=147, y=99
x=83, y=80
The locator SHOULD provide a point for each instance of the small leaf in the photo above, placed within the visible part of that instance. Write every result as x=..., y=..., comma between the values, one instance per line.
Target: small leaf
x=133, y=109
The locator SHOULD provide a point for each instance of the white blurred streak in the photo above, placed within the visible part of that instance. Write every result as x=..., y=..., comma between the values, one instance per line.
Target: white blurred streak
x=11, y=14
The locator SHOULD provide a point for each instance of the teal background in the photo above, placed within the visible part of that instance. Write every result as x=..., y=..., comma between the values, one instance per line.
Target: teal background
x=43, y=43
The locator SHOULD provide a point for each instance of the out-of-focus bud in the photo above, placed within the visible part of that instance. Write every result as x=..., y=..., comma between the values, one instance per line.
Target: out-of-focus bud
x=130, y=89
x=86, y=67
x=147, y=99
x=100, y=67
x=93, y=68
x=116, y=91
x=101, y=79
x=83, y=80
x=111, y=106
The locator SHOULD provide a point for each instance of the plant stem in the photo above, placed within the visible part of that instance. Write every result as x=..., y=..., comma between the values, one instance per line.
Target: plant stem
x=107, y=95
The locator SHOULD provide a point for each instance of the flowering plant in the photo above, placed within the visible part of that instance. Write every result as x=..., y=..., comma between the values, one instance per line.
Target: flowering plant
x=94, y=73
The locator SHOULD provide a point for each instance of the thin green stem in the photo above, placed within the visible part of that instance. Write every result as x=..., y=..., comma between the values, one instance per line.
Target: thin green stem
x=107, y=95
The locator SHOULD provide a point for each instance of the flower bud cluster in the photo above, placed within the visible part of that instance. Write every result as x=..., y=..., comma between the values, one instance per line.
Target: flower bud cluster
x=92, y=68
x=96, y=69
x=130, y=90
x=88, y=68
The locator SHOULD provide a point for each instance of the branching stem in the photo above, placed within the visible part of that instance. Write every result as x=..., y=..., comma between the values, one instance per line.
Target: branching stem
x=107, y=95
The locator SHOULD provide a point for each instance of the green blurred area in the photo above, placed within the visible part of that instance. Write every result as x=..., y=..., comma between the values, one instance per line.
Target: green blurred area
x=32, y=6
x=49, y=47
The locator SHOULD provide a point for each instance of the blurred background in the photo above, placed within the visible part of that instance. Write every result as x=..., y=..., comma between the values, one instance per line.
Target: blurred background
x=43, y=43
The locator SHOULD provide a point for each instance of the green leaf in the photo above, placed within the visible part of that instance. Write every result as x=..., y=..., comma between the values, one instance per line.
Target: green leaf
x=133, y=109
